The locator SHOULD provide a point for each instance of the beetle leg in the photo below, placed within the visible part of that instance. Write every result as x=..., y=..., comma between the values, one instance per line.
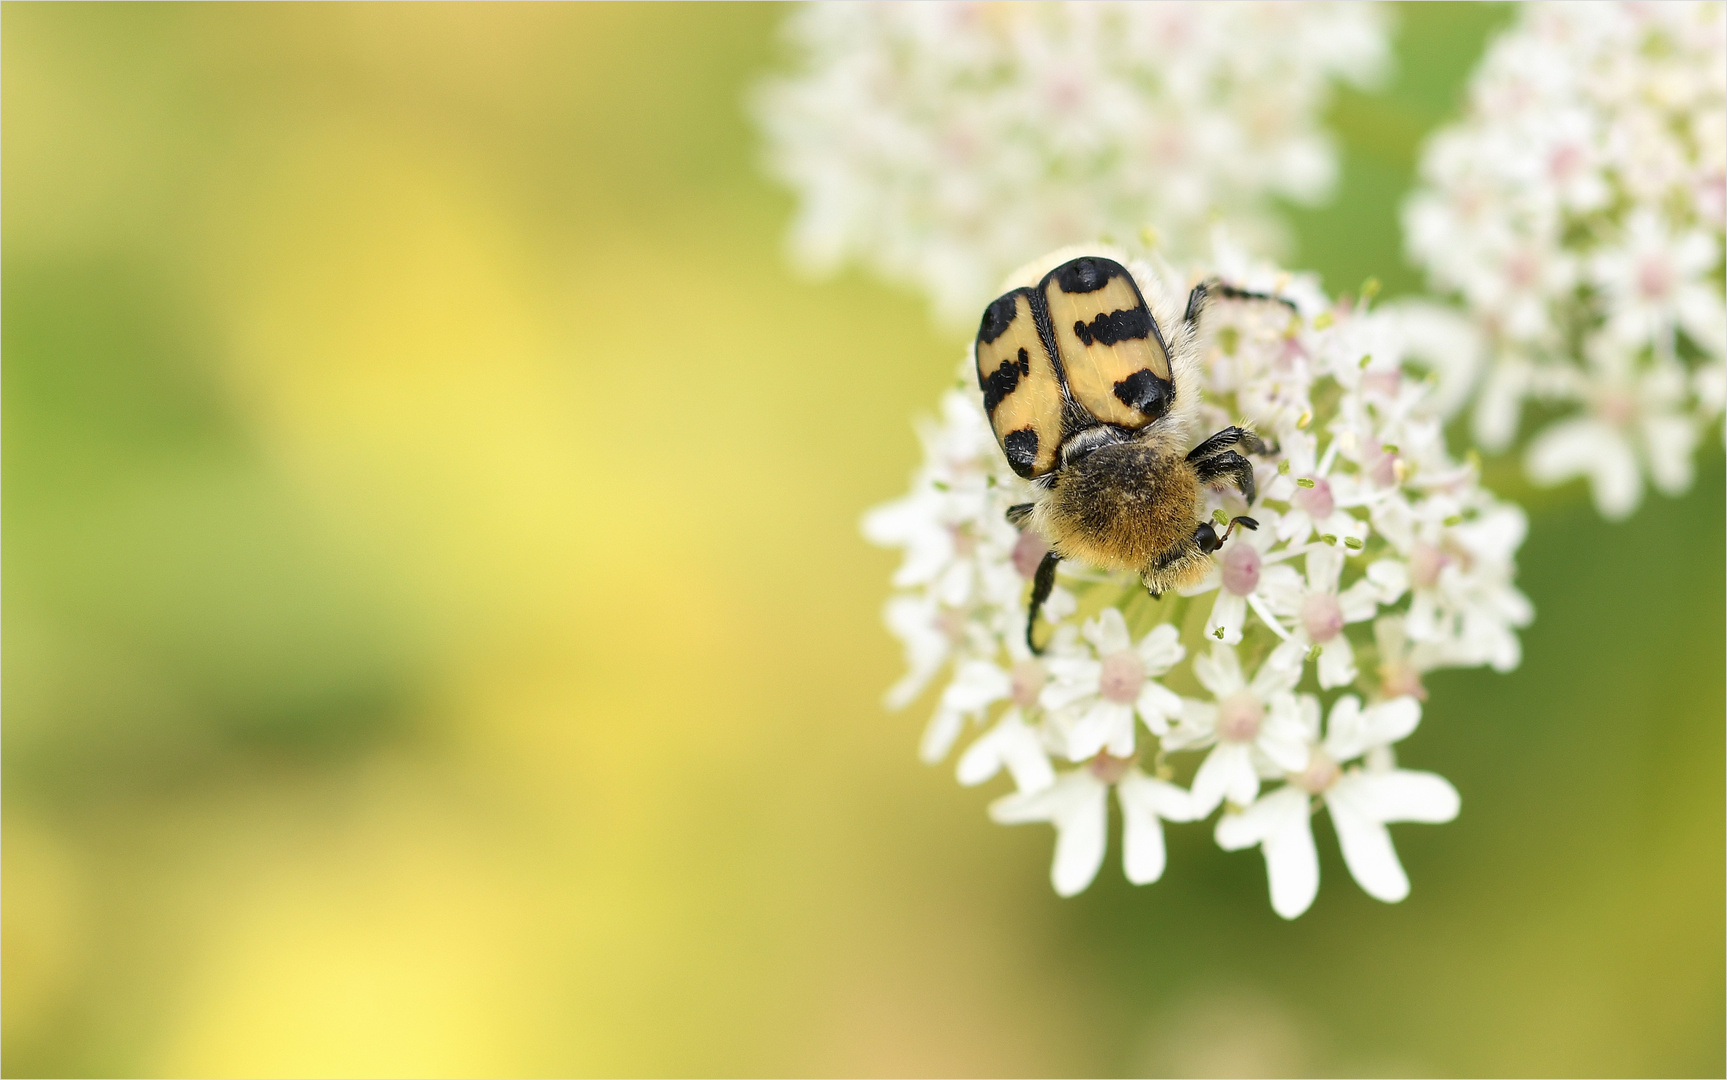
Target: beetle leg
x=1231, y=465
x=1041, y=586
x=1205, y=290
x=1224, y=439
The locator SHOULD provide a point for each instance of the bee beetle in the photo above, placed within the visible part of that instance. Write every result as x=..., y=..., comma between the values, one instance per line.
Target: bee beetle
x=1092, y=403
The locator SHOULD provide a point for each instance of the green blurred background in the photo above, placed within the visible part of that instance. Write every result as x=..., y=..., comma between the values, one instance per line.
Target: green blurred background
x=437, y=638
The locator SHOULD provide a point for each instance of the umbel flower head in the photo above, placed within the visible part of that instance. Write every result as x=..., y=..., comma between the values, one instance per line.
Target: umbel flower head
x=1577, y=211
x=1379, y=558
x=945, y=144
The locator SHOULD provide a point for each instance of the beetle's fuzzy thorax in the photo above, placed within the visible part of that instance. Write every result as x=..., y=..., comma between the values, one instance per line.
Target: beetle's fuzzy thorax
x=1128, y=506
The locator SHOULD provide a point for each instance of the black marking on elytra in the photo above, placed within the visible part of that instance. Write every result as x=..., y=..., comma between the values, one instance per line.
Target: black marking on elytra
x=1004, y=380
x=1020, y=513
x=1086, y=275
x=1021, y=449
x=1041, y=586
x=1128, y=324
x=1146, y=392
x=1224, y=439
x=997, y=317
x=1231, y=466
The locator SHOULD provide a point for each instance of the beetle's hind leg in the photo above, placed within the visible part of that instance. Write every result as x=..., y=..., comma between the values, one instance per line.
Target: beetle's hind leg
x=1231, y=466
x=1041, y=586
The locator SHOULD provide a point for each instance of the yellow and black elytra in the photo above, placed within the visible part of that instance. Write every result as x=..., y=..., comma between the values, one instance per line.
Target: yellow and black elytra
x=1078, y=350
x=1091, y=403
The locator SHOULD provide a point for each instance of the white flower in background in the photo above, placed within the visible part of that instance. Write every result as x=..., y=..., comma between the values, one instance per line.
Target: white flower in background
x=1632, y=422
x=1361, y=800
x=1577, y=211
x=1419, y=576
x=1402, y=660
x=1094, y=694
x=1077, y=805
x=945, y=144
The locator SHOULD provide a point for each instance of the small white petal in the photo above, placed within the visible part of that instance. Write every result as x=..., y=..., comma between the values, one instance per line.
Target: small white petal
x=1360, y=601
x=1025, y=807
x=1392, y=578
x=939, y=736
x=1060, y=604
x=1077, y=806
x=1336, y=663
x=1242, y=785
x=1281, y=587
x=1324, y=567
x=1366, y=843
x=1229, y=773
x=1219, y=671
x=1157, y=706
x=1080, y=838
x=1308, y=711
x=1011, y=743
x=1071, y=680
x=1283, y=739
x=1281, y=825
x=1391, y=721
x=1169, y=801
x=981, y=760
x=1161, y=649
x=1104, y=724
x=1280, y=672
x=1671, y=440
x=1583, y=447
x=1122, y=735
x=1197, y=726
x=1352, y=730
x=1407, y=795
x=1228, y=613
x=1108, y=632
x=1343, y=736
x=1266, y=616
x=976, y=684
x=1142, y=849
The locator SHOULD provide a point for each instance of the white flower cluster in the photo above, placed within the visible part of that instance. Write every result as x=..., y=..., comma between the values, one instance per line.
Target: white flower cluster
x=1578, y=212
x=945, y=144
x=1378, y=558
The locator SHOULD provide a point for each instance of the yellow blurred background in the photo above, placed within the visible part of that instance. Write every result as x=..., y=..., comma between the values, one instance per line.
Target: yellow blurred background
x=438, y=642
